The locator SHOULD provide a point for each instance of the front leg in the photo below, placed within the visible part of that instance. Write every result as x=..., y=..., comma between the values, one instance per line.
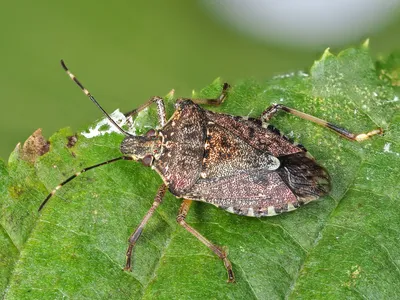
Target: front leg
x=136, y=234
x=162, y=119
x=215, y=101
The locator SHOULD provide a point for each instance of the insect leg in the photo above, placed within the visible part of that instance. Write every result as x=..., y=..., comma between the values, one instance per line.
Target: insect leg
x=162, y=119
x=274, y=108
x=216, y=101
x=135, y=235
x=183, y=211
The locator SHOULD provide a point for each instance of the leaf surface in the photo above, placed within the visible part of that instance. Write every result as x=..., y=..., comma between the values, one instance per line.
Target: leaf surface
x=345, y=245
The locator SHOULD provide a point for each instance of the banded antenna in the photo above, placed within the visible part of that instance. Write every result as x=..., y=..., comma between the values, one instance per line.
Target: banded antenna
x=72, y=76
x=78, y=174
x=94, y=166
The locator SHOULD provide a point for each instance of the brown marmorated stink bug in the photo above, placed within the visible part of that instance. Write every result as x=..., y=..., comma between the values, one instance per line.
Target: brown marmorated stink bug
x=239, y=164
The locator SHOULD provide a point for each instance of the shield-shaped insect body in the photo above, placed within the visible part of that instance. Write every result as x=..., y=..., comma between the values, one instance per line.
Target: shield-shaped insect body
x=229, y=161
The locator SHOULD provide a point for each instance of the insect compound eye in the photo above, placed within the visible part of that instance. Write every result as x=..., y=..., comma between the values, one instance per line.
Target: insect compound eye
x=147, y=160
x=151, y=133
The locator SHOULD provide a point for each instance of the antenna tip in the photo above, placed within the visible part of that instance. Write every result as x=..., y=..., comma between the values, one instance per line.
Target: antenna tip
x=40, y=207
x=63, y=65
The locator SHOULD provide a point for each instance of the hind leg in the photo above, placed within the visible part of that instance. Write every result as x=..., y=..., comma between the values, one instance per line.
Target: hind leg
x=274, y=108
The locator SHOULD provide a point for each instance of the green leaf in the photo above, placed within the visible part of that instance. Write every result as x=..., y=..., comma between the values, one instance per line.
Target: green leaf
x=345, y=245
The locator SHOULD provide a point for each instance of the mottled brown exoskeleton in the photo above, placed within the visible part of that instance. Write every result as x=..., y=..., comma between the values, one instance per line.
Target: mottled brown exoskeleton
x=239, y=164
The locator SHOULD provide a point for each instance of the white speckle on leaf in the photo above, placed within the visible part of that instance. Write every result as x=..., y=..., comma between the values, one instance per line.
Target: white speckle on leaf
x=249, y=114
x=301, y=73
x=117, y=116
x=284, y=75
x=375, y=94
x=386, y=148
x=395, y=99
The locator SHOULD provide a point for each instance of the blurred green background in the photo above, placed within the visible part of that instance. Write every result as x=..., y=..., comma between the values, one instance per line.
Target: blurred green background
x=124, y=52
